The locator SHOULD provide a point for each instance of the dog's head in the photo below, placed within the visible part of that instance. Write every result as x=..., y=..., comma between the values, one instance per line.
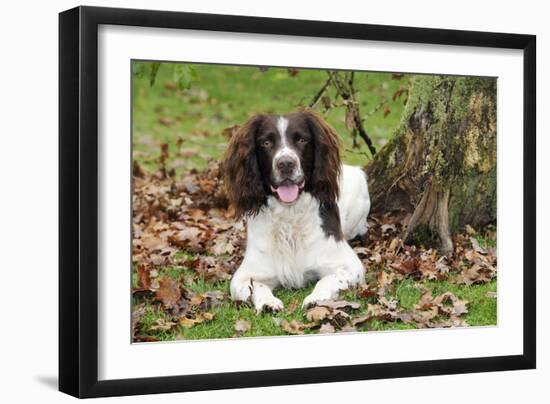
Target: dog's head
x=282, y=156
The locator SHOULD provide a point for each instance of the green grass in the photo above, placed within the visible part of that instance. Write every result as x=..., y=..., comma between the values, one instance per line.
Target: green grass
x=407, y=293
x=482, y=309
x=222, y=96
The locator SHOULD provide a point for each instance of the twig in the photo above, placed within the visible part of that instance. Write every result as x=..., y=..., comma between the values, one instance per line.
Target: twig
x=351, y=104
x=319, y=94
x=364, y=134
x=376, y=108
x=357, y=152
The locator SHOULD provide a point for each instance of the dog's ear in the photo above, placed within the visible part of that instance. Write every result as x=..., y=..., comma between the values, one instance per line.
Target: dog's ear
x=242, y=175
x=326, y=158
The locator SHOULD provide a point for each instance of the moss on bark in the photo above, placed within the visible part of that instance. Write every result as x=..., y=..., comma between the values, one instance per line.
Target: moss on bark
x=446, y=143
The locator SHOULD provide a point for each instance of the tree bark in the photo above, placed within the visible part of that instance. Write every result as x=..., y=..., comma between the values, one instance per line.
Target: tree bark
x=441, y=163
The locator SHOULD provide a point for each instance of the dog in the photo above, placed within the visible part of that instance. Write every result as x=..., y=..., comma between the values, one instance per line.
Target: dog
x=284, y=175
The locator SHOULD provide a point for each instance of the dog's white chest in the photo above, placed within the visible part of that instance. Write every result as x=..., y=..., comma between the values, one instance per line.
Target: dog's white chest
x=287, y=235
x=290, y=236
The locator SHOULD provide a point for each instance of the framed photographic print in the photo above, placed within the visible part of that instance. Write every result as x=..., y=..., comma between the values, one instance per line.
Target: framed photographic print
x=251, y=201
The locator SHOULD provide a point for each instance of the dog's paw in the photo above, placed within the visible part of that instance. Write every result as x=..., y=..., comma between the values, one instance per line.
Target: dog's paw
x=270, y=305
x=314, y=298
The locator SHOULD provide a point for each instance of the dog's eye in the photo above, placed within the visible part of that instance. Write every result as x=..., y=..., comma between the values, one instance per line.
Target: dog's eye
x=266, y=143
x=301, y=140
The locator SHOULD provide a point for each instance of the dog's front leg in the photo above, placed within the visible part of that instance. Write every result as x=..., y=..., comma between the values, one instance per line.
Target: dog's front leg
x=327, y=288
x=335, y=278
x=263, y=299
x=254, y=284
x=259, y=293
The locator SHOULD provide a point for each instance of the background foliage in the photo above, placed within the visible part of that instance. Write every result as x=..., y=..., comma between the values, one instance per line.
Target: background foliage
x=197, y=102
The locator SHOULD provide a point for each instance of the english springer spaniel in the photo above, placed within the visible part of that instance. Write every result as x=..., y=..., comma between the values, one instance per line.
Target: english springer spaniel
x=285, y=177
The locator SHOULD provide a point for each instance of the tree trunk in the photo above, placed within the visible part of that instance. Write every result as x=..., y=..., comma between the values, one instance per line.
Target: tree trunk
x=441, y=164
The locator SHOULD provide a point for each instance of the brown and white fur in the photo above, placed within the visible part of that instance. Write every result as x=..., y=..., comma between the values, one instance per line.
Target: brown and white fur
x=285, y=176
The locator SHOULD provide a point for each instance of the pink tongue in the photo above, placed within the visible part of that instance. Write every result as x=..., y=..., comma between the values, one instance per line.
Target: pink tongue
x=288, y=193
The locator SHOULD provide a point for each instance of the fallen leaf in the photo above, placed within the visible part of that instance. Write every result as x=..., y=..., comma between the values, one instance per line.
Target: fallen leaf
x=198, y=319
x=450, y=304
x=162, y=325
x=317, y=313
x=222, y=246
x=366, y=292
x=347, y=328
x=338, y=304
x=187, y=322
x=188, y=152
x=137, y=314
x=145, y=338
x=292, y=306
x=144, y=276
x=390, y=304
x=339, y=318
x=361, y=320
x=384, y=279
x=152, y=241
x=327, y=328
x=168, y=292
x=293, y=72
x=406, y=266
x=476, y=246
x=294, y=327
x=476, y=274
x=241, y=326
x=393, y=245
x=166, y=121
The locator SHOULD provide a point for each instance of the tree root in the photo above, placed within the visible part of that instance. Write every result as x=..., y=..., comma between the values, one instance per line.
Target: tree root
x=433, y=210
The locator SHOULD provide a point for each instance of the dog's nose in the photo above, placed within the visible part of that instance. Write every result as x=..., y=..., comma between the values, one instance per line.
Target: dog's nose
x=286, y=165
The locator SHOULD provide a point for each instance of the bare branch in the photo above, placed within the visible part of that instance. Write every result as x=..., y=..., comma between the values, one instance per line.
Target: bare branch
x=319, y=94
x=348, y=94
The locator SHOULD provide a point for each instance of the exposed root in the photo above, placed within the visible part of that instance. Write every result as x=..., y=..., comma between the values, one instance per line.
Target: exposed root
x=433, y=210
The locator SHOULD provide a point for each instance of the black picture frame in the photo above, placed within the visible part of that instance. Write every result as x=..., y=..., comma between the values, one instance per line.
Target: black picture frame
x=78, y=200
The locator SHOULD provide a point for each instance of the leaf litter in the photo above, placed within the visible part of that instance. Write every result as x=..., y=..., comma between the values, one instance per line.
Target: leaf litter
x=185, y=222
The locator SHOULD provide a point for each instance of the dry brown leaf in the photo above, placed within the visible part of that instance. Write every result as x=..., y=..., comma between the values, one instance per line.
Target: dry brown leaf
x=327, y=328
x=241, y=326
x=199, y=318
x=137, y=314
x=295, y=327
x=339, y=304
x=406, y=267
x=361, y=320
x=393, y=245
x=222, y=246
x=152, y=241
x=384, y=279
x=317, y=313
x=144, y=276
x=162, y=325
x=168, y=292
x=448, y=303
x=476, y=246
x=292, y=306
